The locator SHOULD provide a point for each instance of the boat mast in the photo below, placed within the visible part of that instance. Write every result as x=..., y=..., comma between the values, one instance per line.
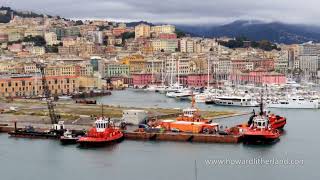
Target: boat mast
x=171, y=71
x=261, y=102
x=209, y=72
x=152, y=69
x=178, y=69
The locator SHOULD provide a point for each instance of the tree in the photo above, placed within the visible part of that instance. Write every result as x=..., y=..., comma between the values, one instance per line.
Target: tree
x=37, y=40
x=180, y=33
x=78, y=23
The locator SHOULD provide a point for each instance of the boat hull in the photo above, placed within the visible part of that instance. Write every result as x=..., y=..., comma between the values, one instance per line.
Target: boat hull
x=259, y=139
x=294, y=106
x=237, y=104
x=36, y=135
x=68, y=141
x=99, y=143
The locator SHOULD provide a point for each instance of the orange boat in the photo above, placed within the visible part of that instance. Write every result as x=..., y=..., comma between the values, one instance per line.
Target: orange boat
x=192, y=114
x=103, y=133
x=190, y=121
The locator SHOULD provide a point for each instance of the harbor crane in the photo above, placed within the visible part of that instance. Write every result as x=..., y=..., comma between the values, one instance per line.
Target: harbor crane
x=47, y=94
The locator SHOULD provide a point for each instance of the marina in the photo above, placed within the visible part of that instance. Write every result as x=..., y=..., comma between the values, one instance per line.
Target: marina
x=108, y=159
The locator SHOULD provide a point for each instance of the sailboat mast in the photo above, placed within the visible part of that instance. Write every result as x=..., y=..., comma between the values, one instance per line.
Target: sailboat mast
x=209, y=71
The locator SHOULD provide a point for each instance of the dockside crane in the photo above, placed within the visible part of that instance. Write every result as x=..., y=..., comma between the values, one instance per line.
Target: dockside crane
x=47, y=95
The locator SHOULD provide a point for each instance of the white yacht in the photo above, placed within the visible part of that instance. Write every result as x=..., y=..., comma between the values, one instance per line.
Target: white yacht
x=181, y=93
x=294, y=103
x=245, y=101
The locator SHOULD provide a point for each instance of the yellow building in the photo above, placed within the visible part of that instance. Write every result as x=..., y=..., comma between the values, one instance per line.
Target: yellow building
x=142, y=31
x=167, y=29
x=89, y=83
x=51, y=38
x=37, y=50
x=23, y=85
x=136, y=63
x=61, y=70
x=170, y=45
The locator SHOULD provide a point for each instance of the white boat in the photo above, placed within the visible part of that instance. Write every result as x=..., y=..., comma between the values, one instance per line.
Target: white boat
x=245, y=101
x=65, y=97
x=152, y=88
x=294, y=103
x=161, y=88
x=182, y=93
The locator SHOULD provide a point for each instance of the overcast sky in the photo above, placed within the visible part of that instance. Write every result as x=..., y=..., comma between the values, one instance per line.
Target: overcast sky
x=177, y=11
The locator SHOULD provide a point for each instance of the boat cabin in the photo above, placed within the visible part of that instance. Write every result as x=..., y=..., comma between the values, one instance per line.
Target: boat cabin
x=189, y=112
x=59, y=126
x=101, y=124
x=260, y=122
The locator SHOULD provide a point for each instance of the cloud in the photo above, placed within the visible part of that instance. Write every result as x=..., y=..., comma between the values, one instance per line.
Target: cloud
x=177, y=11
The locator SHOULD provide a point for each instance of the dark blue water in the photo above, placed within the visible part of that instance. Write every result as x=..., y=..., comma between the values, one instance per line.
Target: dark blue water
x=47, y=159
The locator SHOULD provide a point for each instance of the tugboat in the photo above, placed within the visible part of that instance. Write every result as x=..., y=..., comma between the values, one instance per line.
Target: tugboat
x=260, y=131
x=260, y=128
x=103, y=133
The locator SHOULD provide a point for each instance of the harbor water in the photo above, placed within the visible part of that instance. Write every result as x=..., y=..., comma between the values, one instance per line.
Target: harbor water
x=131, y=160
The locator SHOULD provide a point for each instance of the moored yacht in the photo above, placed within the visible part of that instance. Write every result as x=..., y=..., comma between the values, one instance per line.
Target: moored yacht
x=294, y=103
x=245, y=101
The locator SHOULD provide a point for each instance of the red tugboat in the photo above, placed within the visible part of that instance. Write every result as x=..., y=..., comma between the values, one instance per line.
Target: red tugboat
x=103, y=133
x=260, y=131
x=261, y=128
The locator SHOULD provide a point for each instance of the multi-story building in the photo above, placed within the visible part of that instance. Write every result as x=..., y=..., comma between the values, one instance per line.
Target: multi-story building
x=31, y=85
x=14, y=36
x=51, y=38
x=167, y=45
x=136, y=63
x=37, y=50
x=142, y=31
x=116, y=70
x=168, y=29
x=309, y=49
x=187, y=45
x=309, y=64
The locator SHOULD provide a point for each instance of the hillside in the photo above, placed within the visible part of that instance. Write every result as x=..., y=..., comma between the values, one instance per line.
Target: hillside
x=256, y=30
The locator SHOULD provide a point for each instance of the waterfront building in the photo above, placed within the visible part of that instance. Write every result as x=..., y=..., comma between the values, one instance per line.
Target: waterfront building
x=141, y=79
x=136, y=63
x=89, y=83
x=116, y=70
x=198, y=80
x=309, y=64
x=31, y=85
x=258, y=77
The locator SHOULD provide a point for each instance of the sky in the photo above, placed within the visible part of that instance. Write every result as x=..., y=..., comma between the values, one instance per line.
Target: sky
x=177, y=11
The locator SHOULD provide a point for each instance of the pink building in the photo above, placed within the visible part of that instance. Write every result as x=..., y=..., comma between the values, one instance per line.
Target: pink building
x=118, y=31
x=141, y=79
x=167, y=36
x=195, y=80
x=15, y=48
x=3, y=37
x=259, y=77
